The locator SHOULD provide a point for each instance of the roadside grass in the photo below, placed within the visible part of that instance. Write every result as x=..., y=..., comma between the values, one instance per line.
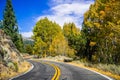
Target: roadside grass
x=110, y=70
x=7, y=73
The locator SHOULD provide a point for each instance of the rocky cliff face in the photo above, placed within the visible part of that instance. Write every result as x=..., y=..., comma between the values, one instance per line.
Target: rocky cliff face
x=8, y=51
x=10, y=57
x=11, y=61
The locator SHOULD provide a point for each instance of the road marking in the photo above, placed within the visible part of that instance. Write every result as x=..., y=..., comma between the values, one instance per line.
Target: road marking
x=109, y=78
x=57, y=71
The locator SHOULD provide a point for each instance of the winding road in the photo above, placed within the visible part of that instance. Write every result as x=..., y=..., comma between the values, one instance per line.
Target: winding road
x=48, y=70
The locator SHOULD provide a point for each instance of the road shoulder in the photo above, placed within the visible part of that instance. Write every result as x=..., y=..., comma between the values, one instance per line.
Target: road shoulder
x=31, y=66
x=107, y=75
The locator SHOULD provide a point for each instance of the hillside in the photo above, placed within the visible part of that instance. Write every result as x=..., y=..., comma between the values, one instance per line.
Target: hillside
x=8, y=50
x=10, y=57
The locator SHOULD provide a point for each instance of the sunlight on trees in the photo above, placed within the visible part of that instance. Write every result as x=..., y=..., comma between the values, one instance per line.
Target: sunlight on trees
x=50, y=40
x=101, y=27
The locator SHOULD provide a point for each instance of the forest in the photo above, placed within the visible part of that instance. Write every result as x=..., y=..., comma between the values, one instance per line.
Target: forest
x=98, y=41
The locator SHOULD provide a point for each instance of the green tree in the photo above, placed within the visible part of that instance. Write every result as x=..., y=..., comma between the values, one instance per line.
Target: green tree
x=29, y=49
x=72, y=34
x=9, y=20
x=101, y=29
x=60, y=46
x=10, y=26
x=1, y=24
x=44, y=33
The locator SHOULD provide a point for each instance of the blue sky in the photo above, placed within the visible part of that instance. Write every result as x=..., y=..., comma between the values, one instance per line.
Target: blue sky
x=28, y=12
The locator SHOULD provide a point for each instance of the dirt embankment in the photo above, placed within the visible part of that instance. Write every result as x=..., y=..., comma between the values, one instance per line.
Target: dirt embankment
x=11, y=61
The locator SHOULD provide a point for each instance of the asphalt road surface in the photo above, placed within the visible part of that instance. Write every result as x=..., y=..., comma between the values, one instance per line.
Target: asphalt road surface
x=43, y=71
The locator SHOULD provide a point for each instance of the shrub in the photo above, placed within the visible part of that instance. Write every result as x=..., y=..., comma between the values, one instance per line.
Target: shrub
x=16, y=66
x=13, y=66
x=115, y=69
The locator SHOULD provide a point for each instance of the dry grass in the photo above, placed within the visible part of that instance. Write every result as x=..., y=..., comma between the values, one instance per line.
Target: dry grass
x=112, y=75
x=8, y=73
x=24, y=67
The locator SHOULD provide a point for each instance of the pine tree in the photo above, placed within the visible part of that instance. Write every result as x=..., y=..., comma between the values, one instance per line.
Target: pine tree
x=10, y=26
x=9, y=21
x=1, y=24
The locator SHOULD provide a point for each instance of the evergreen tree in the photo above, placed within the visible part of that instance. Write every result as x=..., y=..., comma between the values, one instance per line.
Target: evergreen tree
x=10, y=26
x=9, y=21
x=1, y=24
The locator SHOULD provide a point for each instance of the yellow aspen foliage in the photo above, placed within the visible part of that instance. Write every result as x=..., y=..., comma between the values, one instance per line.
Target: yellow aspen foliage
x=97, y=25
x=118, y=22
x=102, y=25
x=107, y=8
x=102, y=14
x=92, y=43
x=89, y=23
x=111, y=34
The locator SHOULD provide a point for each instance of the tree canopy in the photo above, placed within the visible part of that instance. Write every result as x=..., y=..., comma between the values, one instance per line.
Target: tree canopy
x=97, y=41
x=101, y=28
x=10, y=26
x=49, y=39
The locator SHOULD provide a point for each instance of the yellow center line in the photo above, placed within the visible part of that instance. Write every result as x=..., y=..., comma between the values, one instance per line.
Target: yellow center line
x=58, y=74
x=57, y=71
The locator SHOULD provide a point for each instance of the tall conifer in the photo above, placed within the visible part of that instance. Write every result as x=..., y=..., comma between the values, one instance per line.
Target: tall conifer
x=9, y=20
x=10, y=26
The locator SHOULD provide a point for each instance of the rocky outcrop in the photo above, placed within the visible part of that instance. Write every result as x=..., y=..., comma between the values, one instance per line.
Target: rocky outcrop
x=11, y=61
x=8, y=51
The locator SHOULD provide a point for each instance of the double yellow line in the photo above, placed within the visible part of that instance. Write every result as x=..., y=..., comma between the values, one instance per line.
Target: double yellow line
x=57, y=71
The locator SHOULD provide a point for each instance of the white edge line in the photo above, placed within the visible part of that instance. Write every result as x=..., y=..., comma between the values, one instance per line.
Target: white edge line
x=91, y=70
x=96, y=72
x=25, y=72
x=100, y=74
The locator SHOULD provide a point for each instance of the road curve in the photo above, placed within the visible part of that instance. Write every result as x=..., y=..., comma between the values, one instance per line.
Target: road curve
x=70, y=72
x=39, y=72
x=43, y=71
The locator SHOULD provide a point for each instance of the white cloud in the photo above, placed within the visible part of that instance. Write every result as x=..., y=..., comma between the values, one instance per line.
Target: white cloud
x=67, y=11
x=27, y=34
x=57, y=2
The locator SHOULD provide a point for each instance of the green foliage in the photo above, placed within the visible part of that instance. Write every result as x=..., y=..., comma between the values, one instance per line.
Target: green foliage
x=19, y=42
x=16, y=66
x=1, y=24
x=44, y=32
x=60, y=46
x=101, y=26
x=98, y=41
x=9, y=21
x=72, y=34
x=49, y=39
x=10, y=26
x=28, y=48
x=13, y=65
x=28, y=44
